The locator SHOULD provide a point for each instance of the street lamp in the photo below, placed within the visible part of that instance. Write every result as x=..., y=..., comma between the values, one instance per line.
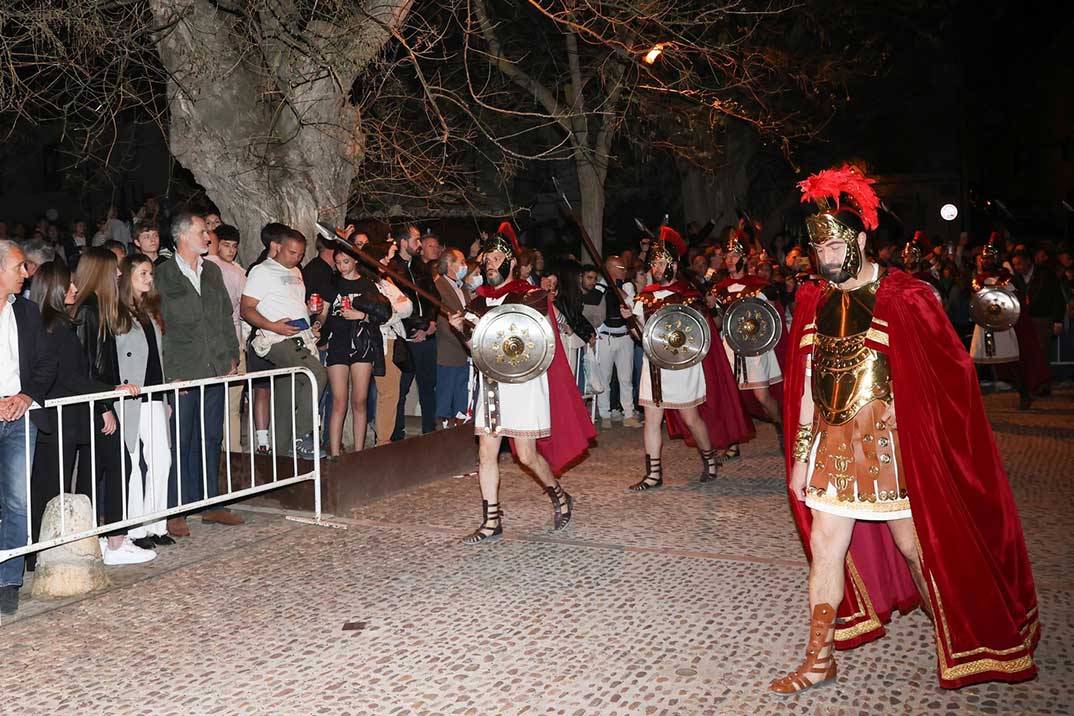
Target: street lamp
x=655, y=52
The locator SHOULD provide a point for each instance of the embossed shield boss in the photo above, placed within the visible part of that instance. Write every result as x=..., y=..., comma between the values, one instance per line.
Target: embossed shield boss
x=751, y=326
x=995, y=308
x=676, y=337
x=512, y=343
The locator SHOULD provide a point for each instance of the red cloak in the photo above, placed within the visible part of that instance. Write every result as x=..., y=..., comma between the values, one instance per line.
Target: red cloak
x=722, y=410
x=972, y=548
x=571, y=427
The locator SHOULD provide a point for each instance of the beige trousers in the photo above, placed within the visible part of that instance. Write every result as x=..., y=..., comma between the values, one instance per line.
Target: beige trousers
x=387, y=397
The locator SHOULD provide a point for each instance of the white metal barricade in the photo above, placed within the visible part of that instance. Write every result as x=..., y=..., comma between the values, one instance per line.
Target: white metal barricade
x=233, y=492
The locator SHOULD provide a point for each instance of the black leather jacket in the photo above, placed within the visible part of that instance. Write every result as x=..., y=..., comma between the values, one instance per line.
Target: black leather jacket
x=101, y=354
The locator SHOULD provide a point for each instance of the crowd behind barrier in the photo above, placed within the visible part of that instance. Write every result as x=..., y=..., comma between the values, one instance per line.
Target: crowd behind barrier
x=165, y=351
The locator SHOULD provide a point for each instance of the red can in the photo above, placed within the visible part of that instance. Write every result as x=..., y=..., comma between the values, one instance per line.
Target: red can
x=345, y=303
x=316, y=304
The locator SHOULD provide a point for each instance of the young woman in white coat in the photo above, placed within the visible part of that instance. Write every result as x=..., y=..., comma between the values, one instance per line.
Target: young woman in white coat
x=145, y=421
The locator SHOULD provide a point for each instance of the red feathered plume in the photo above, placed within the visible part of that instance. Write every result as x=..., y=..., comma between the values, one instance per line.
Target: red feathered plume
x=829, y=186
x=668, y=235
x=508, y=232
x=921, y=240
x=993, y=238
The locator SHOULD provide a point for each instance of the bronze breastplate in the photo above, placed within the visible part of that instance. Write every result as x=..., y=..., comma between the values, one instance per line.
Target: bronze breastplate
x=847, y=375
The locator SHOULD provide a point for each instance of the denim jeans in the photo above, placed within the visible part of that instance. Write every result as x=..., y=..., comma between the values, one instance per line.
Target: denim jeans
x=13, y=497
x=424, y=355
x=187, y=465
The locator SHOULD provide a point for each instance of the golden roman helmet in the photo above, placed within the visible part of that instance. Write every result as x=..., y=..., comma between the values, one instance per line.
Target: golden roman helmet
x=915, y=249
x=503, y=240
x=736, y=243
x=846, y=206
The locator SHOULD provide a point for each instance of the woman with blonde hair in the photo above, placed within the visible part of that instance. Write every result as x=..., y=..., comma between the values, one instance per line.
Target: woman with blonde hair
x=96, y=315
x=139, y=331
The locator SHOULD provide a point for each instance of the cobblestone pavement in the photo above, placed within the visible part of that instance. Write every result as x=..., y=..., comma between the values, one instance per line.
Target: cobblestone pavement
x=687, y=600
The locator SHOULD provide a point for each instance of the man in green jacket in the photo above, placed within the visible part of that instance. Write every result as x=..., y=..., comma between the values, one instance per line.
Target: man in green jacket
x=199, y=342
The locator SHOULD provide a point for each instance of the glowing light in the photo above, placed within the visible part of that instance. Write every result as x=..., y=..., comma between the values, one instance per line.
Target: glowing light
x=651, y=55
x=948, y=212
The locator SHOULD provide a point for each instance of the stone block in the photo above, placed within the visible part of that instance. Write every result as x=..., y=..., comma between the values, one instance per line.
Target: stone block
x=71, y=569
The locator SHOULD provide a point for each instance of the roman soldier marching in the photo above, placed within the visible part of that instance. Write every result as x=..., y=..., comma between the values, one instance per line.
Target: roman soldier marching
x=992, y=345
x=682, y=390
x=756, y=374
x=543, y=416
x=896, y=485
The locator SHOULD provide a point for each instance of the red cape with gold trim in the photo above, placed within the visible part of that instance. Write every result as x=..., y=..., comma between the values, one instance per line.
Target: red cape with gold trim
x=722, y=410
x=972, y=547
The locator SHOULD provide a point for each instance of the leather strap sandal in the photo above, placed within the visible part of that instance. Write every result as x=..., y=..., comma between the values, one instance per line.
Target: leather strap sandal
x=562, y=505
x=491, y=524
x=654, y=476
x=709, y=465
x=816, y=669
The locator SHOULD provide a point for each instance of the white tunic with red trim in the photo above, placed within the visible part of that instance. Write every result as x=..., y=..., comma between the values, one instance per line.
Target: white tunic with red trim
x=679, y=388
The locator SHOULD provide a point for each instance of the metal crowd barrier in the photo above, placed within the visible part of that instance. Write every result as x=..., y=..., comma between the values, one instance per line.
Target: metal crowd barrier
x=234, y=490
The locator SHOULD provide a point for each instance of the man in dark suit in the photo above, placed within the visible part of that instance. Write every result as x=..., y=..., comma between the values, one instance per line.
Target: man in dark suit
x=420, y=331
x=1044, y=297
x=26, y=373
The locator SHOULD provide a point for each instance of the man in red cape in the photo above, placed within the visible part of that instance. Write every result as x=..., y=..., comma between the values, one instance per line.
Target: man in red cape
x=523, y=412
x=896, y=484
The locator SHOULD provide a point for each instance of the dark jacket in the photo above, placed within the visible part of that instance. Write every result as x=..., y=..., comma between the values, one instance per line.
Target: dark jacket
x=199, y=338
x=1043, y=294
x=37, y=366
x=72, y=378
x=419, y=274
x=100, y=353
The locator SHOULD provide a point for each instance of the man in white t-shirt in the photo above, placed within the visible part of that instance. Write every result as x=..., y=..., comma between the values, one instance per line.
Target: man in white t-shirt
x=274, y=303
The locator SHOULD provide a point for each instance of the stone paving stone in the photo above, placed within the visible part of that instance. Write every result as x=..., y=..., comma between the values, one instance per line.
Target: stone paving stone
x=683, y=601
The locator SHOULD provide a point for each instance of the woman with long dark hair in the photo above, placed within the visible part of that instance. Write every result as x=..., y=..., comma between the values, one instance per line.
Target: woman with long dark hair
x=96, y=314
x=356, y=311
x=139, y=330
x=55, y=293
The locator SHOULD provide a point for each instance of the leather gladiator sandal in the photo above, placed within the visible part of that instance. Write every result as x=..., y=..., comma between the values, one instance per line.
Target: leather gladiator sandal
x=709, y=465
x=654, y=475
x=822, y=669
x=562, y=505
x=732, y=453
x=491, y=524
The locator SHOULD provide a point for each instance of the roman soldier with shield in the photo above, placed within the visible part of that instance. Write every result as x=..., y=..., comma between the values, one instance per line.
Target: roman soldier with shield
x=523, y=386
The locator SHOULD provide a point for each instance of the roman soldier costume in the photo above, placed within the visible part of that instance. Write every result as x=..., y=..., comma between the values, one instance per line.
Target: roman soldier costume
x=759, y=371
x=531, y=408
x=992, y=347
x=888, y=344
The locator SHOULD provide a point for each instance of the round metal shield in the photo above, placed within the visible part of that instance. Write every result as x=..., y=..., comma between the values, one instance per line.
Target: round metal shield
x=676, y=337
x=751, y=326
x=513, y=343
x=995, y=308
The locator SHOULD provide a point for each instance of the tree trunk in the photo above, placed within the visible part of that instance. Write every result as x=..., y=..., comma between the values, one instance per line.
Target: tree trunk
x=591, y=189
x=275, y=142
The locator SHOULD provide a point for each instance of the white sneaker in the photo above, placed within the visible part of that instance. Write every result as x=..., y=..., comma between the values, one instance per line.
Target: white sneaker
x=617, y=415
x=126, y=553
